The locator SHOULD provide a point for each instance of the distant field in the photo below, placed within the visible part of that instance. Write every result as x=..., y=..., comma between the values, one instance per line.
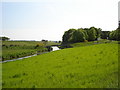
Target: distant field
x=16, y=49
x=94, y=66
x=28, y=43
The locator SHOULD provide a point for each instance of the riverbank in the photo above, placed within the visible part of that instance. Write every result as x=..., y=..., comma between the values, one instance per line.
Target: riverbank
x=18, y=49
x=81, y=44
x=54, y=49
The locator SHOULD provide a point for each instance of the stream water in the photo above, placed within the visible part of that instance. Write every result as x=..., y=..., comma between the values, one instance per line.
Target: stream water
x=54, y=49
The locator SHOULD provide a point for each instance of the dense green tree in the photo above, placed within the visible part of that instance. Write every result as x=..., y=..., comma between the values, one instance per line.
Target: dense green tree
x=111, y=35
x=78, y=36
x=118, y=34
x=81, y=35
x=98, y=32
x=4, y=38
x=75, y=36
x=105, y=34
x=67, y=37
x=115, y=35
x=91, y=34
x=85, y=34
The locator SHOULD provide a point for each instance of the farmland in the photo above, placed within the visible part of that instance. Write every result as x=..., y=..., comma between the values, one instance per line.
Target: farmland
x=92, y=66
x=17, y=49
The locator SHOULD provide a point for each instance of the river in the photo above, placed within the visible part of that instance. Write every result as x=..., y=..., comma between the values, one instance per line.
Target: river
x=54, y=49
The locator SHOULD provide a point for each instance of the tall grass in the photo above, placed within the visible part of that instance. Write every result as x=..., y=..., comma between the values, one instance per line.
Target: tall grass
x=94, y=66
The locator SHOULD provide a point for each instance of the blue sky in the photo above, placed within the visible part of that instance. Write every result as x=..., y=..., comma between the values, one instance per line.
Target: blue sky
x=48, y=19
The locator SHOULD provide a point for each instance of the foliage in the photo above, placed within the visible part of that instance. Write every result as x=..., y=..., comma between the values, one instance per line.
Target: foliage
x=85, y=36
x=98, y=32
x=115, y=35
x=49, y=48
x=91, y=34
x=67, y=37
x=105, y=34
x=78, y=36
x=4, y=38
x=81, y=34
x=93, y=66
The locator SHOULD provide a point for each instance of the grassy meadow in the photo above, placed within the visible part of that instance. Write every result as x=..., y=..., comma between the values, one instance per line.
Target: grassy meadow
x=17, y=49
x=1, y=76
x=102, y=41
x=92, y=66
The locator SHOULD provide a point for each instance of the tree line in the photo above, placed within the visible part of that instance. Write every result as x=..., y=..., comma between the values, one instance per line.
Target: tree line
x=89, y=34
x=115, y=35
x=85, y=34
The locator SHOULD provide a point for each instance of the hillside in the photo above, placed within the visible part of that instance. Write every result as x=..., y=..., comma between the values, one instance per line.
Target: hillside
x=94, y=66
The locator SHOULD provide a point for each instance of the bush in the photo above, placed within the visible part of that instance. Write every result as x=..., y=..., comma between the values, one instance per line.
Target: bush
x=85, y=40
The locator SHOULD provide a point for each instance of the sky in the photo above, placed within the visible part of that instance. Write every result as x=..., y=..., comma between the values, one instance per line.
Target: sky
x=49, y=19
x=119, y=10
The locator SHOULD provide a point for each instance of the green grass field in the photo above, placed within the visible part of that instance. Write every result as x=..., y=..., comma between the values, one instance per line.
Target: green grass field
x=94, y=66
x=1, y=76
x=17, y=49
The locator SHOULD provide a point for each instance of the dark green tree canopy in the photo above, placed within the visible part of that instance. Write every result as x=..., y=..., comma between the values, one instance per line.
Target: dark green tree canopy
x=105, y=34
x=78, y=36
x=81, y=34
x=89, y=34
x=67, y=37
x=92, y=34
x=115, y=35
x=4, y=38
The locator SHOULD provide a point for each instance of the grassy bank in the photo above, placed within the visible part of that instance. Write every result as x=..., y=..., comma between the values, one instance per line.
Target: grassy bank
x=94, y=66
x=17, y=49
x=87, y=43
x=102, y=41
